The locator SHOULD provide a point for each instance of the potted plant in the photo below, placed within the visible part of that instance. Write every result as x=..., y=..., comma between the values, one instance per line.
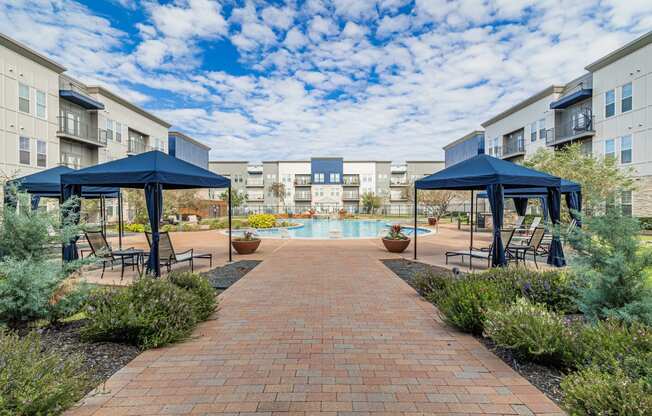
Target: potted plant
x=395, y=241
x=246, y=244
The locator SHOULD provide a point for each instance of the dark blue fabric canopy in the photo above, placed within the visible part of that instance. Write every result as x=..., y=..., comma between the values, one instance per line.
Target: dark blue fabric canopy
x=482, y=170
x=565, y=188
x=152, y=171
x=47, y=184
x=149, y=167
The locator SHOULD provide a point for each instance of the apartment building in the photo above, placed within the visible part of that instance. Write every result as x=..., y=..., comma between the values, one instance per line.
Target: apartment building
x=467, y=146
x=326, y=184
x=607, y=110
x=186, y=148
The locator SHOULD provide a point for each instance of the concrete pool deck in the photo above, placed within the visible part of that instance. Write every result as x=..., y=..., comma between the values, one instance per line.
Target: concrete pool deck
x=319, y=328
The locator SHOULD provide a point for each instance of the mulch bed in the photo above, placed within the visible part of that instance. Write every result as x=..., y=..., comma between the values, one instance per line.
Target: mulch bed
x=101, y=359
x=223, y=277
x=544, y=378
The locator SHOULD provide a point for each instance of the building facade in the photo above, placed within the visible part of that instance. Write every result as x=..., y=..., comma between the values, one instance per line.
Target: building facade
x=472, y=144
x=186, y=148
x=324, y=184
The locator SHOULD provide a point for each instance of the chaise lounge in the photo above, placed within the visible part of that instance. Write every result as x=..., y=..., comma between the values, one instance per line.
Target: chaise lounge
x=483, y=253
x=168, y=256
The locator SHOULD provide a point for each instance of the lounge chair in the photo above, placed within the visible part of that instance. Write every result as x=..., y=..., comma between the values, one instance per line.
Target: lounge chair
x=519, y=222
x=168, y=256
x=547, y=238
x=523, y=234
x=533, y=246
x=483, y=253
x=101, y=249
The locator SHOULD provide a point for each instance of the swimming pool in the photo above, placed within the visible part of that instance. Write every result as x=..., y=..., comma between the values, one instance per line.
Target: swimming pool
x=335, y=229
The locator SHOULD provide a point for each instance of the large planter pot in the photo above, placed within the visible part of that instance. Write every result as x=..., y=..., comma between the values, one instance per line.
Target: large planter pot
x=245, y=247
x=432, y=221
x=396, y=246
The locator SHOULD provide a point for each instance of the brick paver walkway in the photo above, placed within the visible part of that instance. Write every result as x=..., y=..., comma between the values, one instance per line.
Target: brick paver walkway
x=320, y=328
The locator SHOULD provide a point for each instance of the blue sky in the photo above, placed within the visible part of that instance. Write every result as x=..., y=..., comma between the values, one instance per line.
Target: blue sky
x=364, y=79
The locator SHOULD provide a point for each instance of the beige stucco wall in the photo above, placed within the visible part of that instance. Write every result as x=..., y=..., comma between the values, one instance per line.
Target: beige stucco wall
x=15, y=69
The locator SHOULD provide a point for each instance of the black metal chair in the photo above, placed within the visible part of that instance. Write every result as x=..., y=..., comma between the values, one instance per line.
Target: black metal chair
x=168, y=256
x=101, y=249
x=485, y=253
x=533, y=246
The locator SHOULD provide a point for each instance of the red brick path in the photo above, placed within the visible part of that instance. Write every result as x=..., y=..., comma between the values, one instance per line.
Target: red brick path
x=320, y=328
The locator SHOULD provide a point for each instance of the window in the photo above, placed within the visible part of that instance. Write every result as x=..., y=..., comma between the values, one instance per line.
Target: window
x=41, y=154
x=40, y=104
x=533, y=132
x=542, y=128
x=626, y=97
x=335, y=178
x=118, y=132
x=109, y=129
x=610, y=148
x=626, y=203
x=609, y=103
x=23, y=98
x=319, y=178
x=24, y=150
x=626, y=149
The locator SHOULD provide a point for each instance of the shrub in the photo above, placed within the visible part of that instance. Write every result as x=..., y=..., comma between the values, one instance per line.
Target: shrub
x=168, y=228
x=261, y=220
x=205, y=302
x=217, y=224
x=645, y=223
x=529, y=329
x=430, y=284
x=594, y=392
x=611, y=266
x=465, y=300
x=135, y=228
x=189, y=227
x=150, y=313
x=396, y=233
x=32, y=290
x=37, y=382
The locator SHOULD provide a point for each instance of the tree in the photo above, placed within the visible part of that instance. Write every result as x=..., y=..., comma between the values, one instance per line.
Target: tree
x=370, y=202
x=278, y=190
x=436, y=202
x=238, y=198
x=135, y=199
x=601, y=178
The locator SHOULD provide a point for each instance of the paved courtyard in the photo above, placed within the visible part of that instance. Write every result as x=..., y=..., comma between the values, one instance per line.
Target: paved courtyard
x=320, y=328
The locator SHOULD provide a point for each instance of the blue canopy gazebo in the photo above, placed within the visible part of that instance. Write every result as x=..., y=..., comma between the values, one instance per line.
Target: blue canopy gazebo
x=571, y=190
x=152, y=171
x=47, y=184
x=483, y=172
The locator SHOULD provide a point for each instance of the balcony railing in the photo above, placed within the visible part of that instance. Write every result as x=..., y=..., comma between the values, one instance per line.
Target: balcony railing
x=302, y=181
x=513, y=148
x=573, y=128
x=350, y=196
x=255, y=182
x=398, y=181
x=136, y=147
x=394, y=196
x=353, y=180
x=80, y=129
x=255, y=197
x=302, y=196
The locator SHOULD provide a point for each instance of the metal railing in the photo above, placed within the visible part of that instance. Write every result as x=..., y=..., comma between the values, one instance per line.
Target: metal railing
x=398, y=182
x=255, y=182
x=136, y=146
x=570, y=128
x=350, y=196
x=81, y=129
x=351, y=180
x=302, y=181
x=513, y=148
x=303, y=196
x=255, y=197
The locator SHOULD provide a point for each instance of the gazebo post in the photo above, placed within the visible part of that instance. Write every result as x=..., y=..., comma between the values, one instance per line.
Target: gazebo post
x=471, y=222
x=415, y=220
x=230, y=219
x=120, y=219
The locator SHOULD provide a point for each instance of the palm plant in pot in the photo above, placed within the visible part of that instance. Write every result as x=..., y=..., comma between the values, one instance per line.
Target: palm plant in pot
x=246, y=244
x=396, y=241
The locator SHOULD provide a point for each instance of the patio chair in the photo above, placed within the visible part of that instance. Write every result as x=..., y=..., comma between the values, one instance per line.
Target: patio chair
x=483, y=253
x=533, y=246
x=523, y=234
x=547, y=238
x=168, y=256
x=101, y=249
x=519, y=222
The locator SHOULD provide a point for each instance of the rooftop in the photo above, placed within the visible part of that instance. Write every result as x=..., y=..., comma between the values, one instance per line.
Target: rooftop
x=464, y=138
x=621, y=52
x=553, y=89
x=30, y=53
x=189, y=139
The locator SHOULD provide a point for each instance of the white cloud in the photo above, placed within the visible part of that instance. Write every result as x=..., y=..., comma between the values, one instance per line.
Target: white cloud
x=188, y=19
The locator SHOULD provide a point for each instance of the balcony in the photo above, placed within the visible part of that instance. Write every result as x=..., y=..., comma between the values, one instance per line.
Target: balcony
x=571, y=129
x=80, y=130
x=71, y=160
x=350, y=196
x=402, y=181
x=302, y=180
x=255, y=197
x=303, y=196
x=351, y=180
x=397, y=196
x=136, y=147
x=513, y=148
x=255, y=182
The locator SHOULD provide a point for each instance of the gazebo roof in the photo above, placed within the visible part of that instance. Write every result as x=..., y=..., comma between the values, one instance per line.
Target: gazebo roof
x=47, y=183
x=565, y=188
x=482, y=170
x=147, y=168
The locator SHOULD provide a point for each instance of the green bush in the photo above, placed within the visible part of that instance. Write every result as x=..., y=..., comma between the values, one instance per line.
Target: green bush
x=645, y=223
x=205, y=302
x=31, y=290
x=595, y=392
x=529, y=329
x=167, y=228
x=611, y=266
x=136, y=228
x=189, y=227
x=261, y=220
x=150, y=313
x=430, y=284
x=36, y=382
x=465, y=300
x=217, y=224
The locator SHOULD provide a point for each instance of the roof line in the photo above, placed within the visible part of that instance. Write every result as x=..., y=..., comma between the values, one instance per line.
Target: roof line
x=30, y=53
x=464, y=138
x=97, y=89
x=188, y=138
x=521, y=105
x=621, y=52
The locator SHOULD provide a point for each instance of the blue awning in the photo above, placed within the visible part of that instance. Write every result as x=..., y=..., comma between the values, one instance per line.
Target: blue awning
x=80, y=99
x=47, y=184
x=571, y=99
x=565, y=188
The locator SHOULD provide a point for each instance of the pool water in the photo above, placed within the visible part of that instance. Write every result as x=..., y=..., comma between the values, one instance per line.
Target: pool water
x=325, y=229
